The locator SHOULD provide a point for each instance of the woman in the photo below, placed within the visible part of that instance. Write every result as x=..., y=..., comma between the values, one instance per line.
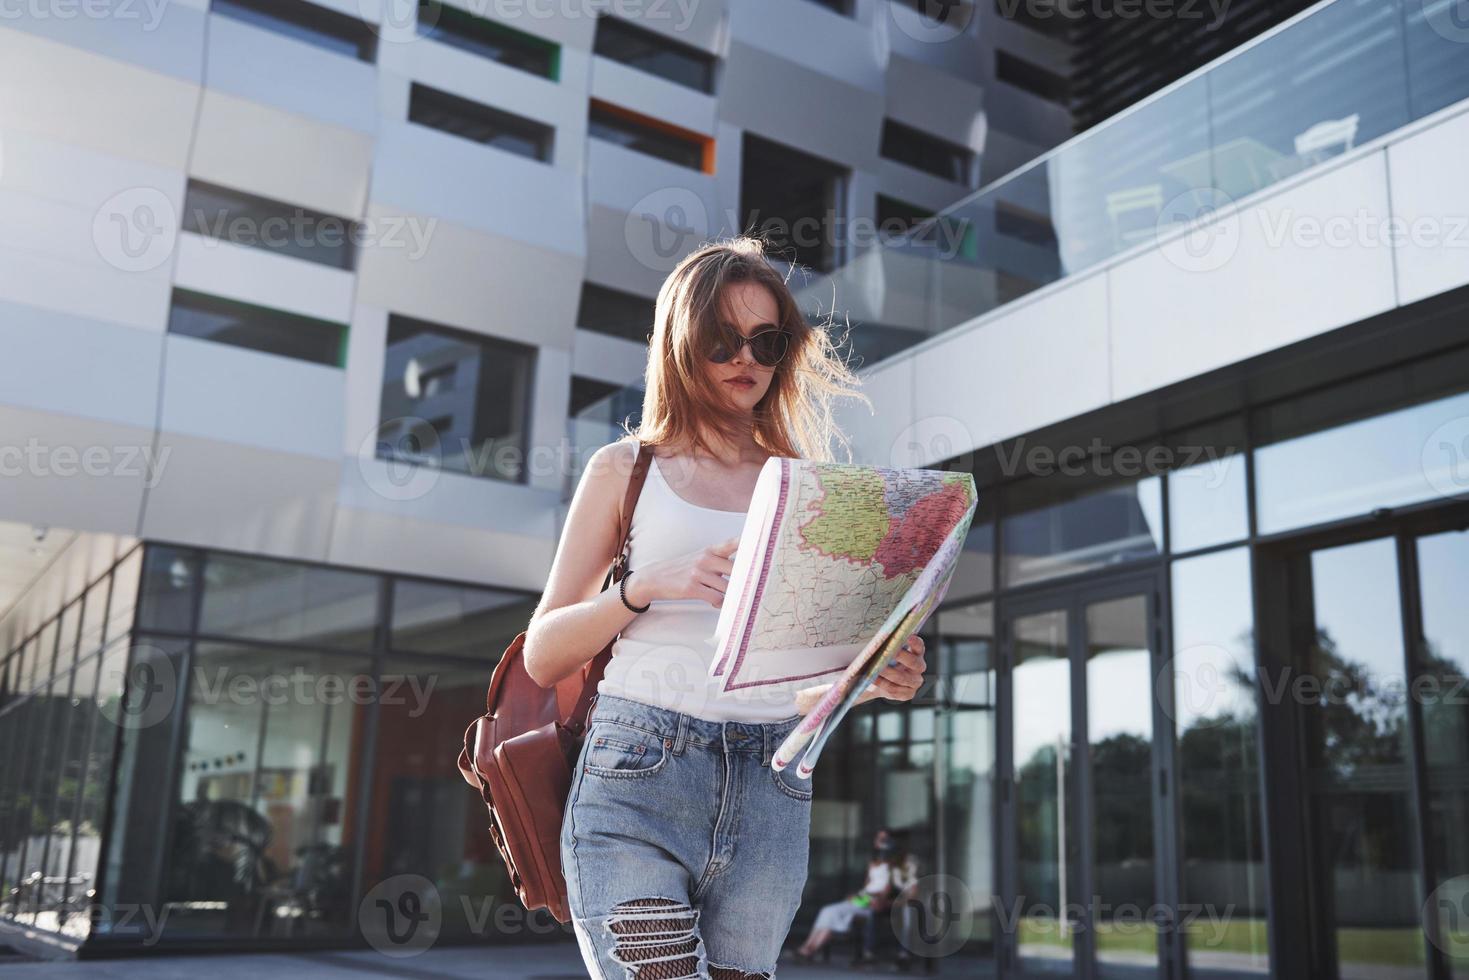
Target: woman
x=684, y=853
x=891, y=871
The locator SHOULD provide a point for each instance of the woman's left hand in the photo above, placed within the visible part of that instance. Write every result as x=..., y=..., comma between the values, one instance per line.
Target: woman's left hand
x=901, y=679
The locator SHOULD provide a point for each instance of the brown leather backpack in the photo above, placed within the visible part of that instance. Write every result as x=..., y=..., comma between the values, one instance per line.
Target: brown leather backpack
x=519, y=754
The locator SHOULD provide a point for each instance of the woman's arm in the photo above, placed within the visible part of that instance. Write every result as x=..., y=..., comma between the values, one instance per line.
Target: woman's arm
x=574, y=620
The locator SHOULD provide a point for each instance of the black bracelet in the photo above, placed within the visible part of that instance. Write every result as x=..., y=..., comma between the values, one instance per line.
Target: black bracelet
x=622, y=591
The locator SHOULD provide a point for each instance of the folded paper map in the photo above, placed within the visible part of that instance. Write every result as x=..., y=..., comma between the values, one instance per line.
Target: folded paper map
x=837, y=565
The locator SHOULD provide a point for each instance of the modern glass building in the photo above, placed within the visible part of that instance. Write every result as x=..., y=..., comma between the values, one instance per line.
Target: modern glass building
x=270, y=508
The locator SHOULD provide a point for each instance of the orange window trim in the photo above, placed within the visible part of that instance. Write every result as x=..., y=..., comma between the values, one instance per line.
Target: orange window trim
x=705, y=143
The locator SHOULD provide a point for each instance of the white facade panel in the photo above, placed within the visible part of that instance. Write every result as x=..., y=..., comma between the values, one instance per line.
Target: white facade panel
x=1430, y=200
x=254, y=275
x=1296, y=264
x=234, y=395
x=74, y=366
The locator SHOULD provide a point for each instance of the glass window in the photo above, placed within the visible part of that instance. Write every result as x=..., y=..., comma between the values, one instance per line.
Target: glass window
x=273, y=762
x=963, y=656
x=795, y=199
x=1398, y=458
x=167, y=598
x=66, y=641
x=123, y=597
x=1357, y=755
x=1103, y=527
x=1438, y=72
x=45, y=666
x=455, y=399
x=1031, y=77
x=1206, y=504
x=424, y=822
x=288, y=602
x=99, y=686
x=478, y=122
x=1332, y=81
x=654, y=53
x=461, y=29
x=974, y=572
x=1045, y=846
x=307, y=22
x=1119, y=722
x=1215, y=715
x=926, y=152
x=614, y=312
x=227, y=321
x=1440, y=671
x=644, y=134
x=966, y=649
x=229, y=215
x=94, y=615
x=457, y=620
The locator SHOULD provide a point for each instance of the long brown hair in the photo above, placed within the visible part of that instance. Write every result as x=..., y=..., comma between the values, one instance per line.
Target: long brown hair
x=681, y=406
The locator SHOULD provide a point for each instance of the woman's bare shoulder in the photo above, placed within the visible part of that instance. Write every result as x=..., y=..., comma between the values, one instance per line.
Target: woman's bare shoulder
x=610, y=466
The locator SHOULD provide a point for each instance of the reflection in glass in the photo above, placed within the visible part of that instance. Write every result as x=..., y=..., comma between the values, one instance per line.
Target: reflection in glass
x=166, y=600
x=1119, y=721
x=966, y=659
x=1045, y=846
x=1357, y=755
x=1206, y=504
x=1442, y=665
x=424, y=821
x=1117, y=524
x=1120, y=186
x=1216, y=717
x=1384, y=461
x=261, y=834
x=1331, y=82
x=459, y=620
x=288, y=602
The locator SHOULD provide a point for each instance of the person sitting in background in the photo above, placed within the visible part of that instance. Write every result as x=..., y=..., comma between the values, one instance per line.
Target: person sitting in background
x=838, y=917
x=903, y=891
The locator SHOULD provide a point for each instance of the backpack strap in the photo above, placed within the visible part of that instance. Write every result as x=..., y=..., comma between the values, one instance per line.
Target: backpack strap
x=592, y=673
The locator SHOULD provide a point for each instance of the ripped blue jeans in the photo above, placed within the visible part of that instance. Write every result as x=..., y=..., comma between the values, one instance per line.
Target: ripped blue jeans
x=684, y=852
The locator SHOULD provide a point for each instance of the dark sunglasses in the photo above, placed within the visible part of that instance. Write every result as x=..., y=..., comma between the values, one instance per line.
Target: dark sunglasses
x=768, y=347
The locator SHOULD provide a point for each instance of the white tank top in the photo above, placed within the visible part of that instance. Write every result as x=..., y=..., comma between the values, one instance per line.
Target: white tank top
x=662, y=657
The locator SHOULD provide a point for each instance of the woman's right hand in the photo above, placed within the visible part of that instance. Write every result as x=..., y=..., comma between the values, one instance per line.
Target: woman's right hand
x=699, y=574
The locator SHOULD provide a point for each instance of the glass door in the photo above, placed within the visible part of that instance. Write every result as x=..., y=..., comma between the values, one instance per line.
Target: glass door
x=1080, y=803
x=1367, y=693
